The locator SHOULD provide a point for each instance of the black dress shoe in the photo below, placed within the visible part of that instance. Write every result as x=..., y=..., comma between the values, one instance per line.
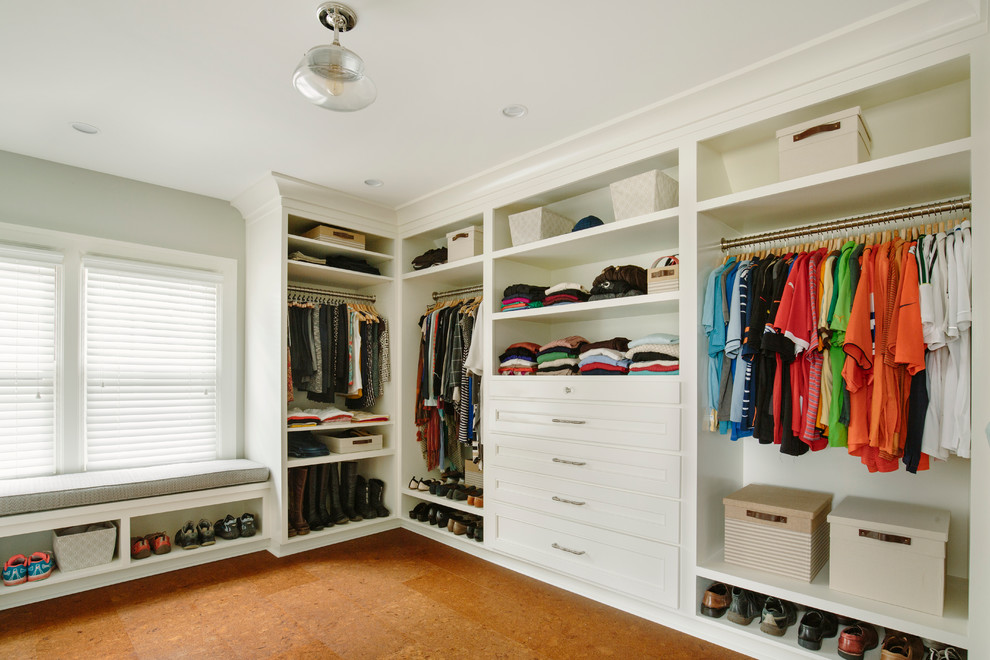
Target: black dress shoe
x=432, y=515
x=418, y=509
x=443, y=517
x=745, y=606
x=815, y=626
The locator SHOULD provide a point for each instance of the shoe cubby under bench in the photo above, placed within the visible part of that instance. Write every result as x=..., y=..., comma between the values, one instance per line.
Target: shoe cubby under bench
x=29, y=532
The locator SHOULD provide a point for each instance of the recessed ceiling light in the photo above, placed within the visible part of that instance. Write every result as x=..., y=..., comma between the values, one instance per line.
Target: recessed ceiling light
x=515, y=111
x=374, y=183
x=88, y=129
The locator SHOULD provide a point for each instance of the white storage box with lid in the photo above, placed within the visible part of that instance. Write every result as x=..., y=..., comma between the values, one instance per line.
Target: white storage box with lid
x=537, y=224
x=349, y=444
x=892, y=552
x=80, y=547
x=778, y=530
x=644, y=193
x=464, y=243
x=823, y=144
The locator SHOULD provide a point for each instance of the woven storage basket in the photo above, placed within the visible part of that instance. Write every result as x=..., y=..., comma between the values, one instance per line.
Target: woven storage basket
x=537, y=224
x=644, y=193
x=76, y=548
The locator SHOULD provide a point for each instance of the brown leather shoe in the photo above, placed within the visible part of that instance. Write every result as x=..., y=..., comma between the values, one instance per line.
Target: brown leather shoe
x=716, y=600
x=857, y=640
x=898, y=646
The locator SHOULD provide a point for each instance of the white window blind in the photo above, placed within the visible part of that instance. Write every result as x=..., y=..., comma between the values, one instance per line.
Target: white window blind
x=28, y=346
x=151, y=361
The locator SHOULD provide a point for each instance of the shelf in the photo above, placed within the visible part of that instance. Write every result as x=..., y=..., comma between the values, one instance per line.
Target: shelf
x=178, y=552
x=924, y=175
x=443, y=501
x=608, y=241
x=301, y=272
x=292, y=462
x=648, y=305
x=340, y=529
x=463, y=272
x=442, y=535
x=951, y=628
x=58, y=576
x=338, y=427
x=316, y=248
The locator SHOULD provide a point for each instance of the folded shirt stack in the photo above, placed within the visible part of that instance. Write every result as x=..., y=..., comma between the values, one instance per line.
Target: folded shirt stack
x=519, y=359
x=299, y=256
x=560, y=357
x=365, y=416
x=296, y=418
x=522, y=296
x=305, y=445
x=565, y=293
x=316, y=416
x=352, y=263
x=619, y=282
x=659, y=353
x=604, y=358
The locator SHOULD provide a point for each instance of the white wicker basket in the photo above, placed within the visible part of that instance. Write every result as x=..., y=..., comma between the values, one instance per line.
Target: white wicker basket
x=84, y=546
x=644, y=193
x=537, y=224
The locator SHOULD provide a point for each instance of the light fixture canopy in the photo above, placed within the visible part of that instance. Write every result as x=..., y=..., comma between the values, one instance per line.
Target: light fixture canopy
x=332, y=76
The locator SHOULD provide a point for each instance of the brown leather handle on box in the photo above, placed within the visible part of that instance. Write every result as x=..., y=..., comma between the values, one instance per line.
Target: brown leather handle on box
x=815, y=130
x=886, y=538
x=342, y=234
x=361, y=442
x=461, y=235
x=759, y=515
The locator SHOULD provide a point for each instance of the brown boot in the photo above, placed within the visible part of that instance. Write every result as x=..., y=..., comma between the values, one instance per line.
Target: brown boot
x=297, y=490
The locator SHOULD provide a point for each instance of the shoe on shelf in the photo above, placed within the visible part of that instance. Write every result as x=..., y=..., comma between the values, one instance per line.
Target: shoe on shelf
x=247, y=524
x=206, y=535
x=424, y=485
x=778, y=615
x=431, y=515
x=899, y=646
x=443, y=517
x=857, y=640
x=816, y=625
x=422, y=506
x=746, y=605
x=716, y=600
x=479, y=531
x=39, y=566
x=15, y=571
x=951, y=653
x=187, y=537
x=159, y=542
x=140, y=547
x=475, y=497
x=228, y=528
x=414, y=484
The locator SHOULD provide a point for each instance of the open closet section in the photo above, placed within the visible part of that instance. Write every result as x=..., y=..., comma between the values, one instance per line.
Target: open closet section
x=869, y=229
x=442, y=363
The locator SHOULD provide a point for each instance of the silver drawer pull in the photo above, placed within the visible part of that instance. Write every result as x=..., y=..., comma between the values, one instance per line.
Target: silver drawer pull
x=568, y=421
x=567, y=390
x=561, y=460
x=561, y=499
x=573, y=552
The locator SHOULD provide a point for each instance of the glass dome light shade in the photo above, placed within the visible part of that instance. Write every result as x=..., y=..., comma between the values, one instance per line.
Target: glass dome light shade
x=332, y=77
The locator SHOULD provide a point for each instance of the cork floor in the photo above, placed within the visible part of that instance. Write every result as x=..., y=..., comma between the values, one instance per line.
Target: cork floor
x=392, y=595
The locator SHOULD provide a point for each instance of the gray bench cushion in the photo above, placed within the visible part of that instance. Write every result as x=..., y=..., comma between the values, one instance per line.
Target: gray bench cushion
x=68, y=490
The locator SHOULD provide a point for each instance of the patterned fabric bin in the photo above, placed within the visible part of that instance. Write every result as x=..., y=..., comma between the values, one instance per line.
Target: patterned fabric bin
x=644, y=193
x=537, y=224
x=84, y=546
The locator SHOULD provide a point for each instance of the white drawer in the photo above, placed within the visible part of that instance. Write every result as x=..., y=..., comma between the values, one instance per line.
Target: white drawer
x=628, y=469
x=645, y=427
x=626, y=564
x=639, y=514
x=614, y=389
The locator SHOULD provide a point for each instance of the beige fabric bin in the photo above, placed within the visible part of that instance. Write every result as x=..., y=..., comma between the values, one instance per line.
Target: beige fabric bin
x=84, y=546
x=537, y=224
x=349, y=444
x=892, y=552
x=778, y=530
x=823, y=144
x=644, y=193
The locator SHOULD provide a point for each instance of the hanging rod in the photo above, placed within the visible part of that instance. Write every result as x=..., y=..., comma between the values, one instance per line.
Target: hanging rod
x=847, y=223
x=350, y=295
x=437, y=295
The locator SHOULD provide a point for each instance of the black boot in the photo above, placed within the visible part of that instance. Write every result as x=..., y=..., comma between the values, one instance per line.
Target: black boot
x=361, y=500
x=323, y=472
x=376, y=496
x=348, y=484
x=297, y=488
x=336, y=507
x=312, y=497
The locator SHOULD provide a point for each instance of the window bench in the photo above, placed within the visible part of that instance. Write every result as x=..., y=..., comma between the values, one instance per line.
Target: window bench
x=138, y=501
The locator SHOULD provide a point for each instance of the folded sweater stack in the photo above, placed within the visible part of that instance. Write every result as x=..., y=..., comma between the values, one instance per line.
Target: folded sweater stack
x=316, y=416
x=659, y=353
x=560, y=357
x=565, y=293
x=519, y=359
x=604, y=358
x=522, y=296
x=619, y=282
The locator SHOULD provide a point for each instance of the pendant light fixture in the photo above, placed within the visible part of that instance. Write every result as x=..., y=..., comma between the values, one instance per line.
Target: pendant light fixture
x=332, y=76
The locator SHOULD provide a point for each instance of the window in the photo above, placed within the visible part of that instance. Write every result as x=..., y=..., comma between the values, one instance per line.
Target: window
x=28, y=349
x=150, y=364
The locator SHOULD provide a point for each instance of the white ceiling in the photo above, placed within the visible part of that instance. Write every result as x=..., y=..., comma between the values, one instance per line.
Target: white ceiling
x=196, y=95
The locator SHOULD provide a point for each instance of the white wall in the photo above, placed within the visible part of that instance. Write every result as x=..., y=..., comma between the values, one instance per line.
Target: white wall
x=46, y=195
